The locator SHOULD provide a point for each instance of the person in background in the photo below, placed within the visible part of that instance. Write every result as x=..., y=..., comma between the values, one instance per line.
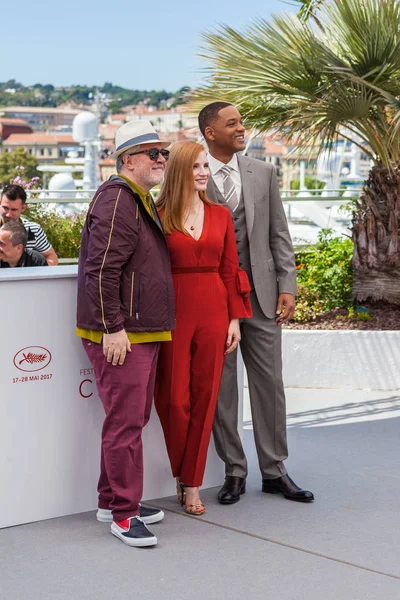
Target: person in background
x=249, y=188
x=13, y=251
x=211, y=295
x=125, y=310
x=12, y=205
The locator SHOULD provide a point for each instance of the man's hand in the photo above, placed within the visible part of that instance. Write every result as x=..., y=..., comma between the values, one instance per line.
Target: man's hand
x=285, y=308
x=115, y=347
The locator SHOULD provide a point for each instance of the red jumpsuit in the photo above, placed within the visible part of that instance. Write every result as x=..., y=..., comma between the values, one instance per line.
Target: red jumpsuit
x=210, y=290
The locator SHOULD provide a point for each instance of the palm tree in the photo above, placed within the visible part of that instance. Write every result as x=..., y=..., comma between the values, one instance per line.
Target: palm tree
x=313, y=85
x=309, y=9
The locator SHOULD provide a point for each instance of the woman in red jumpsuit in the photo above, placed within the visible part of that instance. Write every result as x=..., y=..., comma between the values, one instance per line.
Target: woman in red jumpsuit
x=211, y=295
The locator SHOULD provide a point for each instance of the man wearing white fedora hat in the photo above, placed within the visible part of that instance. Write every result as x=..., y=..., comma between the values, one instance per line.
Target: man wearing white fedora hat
x=125, y=310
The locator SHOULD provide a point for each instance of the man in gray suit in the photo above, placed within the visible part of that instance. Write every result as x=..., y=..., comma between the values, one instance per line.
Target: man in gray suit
x=249, y=188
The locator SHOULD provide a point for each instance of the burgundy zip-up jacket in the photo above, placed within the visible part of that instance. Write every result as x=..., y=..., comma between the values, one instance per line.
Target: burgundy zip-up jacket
x=124, y=274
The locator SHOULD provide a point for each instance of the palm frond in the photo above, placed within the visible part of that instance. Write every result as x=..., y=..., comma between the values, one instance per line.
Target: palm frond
x=309, y=10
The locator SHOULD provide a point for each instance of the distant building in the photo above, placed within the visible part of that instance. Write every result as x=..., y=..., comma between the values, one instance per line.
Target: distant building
x=45, y=148
x=10, y=126
x=117, y=119
x=273, y=152
x=165, y=121
x=256, y=147
x=186, y=135
x=41, y=118
x=107, y=168
x=265, y=147
x=107, y=136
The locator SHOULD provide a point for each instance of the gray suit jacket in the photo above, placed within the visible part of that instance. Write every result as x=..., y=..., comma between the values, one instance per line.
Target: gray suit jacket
x=271, y=251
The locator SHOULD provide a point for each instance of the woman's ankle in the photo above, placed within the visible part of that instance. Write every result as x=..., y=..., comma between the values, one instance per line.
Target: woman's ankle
x=193, y=493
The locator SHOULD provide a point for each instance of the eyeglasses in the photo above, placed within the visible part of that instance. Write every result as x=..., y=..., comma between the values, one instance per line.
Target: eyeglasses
x=153, y=153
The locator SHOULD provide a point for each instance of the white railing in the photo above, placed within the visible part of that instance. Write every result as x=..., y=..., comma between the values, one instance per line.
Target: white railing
x=84, y=196
x=307, y=210
x=61, y=197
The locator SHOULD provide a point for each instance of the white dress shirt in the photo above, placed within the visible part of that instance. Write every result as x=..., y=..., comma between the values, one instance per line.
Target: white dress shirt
x=217, y=175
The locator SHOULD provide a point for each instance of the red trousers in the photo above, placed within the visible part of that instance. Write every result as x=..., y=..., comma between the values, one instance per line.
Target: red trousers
x=189, y=372
x=126, y=392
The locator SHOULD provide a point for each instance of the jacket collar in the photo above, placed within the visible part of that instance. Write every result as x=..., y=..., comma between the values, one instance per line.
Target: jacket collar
x=132, y=187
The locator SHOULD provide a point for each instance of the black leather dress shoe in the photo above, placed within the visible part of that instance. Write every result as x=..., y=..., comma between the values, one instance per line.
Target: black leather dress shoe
x=287, y=487
x=232, y=490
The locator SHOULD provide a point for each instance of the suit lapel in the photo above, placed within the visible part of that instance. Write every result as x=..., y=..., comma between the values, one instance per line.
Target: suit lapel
x=246, y=175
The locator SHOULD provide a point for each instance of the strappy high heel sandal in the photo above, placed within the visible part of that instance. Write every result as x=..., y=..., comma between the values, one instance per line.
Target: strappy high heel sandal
x=191, y=509
x=181, y=495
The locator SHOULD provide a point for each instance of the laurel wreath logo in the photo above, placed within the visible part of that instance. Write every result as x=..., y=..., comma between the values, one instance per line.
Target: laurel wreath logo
x=33, y=358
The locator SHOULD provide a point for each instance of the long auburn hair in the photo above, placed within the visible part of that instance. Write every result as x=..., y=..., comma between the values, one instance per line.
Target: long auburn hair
x=178, y=186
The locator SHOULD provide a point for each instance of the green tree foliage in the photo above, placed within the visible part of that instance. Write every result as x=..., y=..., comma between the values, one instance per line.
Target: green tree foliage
x=13, y=93
x=19, y=157
x=116, y=106
x=182, y=96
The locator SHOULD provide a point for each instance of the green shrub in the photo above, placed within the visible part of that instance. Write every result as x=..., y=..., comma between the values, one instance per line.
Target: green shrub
x=362, y=316
x=311, y=183
x=308, y=305
x=63, y=231
x=324, y=276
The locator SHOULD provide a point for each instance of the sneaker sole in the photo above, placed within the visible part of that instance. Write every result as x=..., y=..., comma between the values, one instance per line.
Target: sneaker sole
x=147, y=520
x=134, y=542
x=154, y=518
x=104, y=518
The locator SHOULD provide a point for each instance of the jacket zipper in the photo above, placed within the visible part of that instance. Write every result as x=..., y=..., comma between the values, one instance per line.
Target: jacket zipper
x=132, y=289
x=138, y=301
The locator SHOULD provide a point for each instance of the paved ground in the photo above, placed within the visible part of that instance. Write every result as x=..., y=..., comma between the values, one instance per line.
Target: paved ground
x=343, y=445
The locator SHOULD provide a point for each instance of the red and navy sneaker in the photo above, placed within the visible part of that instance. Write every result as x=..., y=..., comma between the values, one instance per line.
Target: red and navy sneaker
x=147, y=514
x=133, y=532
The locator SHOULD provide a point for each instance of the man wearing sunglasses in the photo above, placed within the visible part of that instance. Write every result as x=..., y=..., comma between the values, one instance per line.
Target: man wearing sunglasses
x=125, y=310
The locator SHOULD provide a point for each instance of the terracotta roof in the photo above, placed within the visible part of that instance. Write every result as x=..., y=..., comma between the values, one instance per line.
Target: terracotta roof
x=9, y=121
x=19, y=139
x=108, y=162
x=108, y=131
x=184, y=108
x=144, y=110
x=271, y=148
x=40, y=109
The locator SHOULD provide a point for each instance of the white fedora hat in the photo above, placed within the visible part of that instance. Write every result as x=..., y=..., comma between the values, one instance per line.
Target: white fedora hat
x=136, y=133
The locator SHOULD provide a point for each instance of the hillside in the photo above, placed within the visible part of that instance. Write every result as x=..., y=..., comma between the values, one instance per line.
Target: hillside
x=115, y=97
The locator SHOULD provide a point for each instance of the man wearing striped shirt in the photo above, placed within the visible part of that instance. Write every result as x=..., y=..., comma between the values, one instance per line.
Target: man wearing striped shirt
x=12, y=205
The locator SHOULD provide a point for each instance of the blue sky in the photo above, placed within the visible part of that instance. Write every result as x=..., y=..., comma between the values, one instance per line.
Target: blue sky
x=138, y=45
